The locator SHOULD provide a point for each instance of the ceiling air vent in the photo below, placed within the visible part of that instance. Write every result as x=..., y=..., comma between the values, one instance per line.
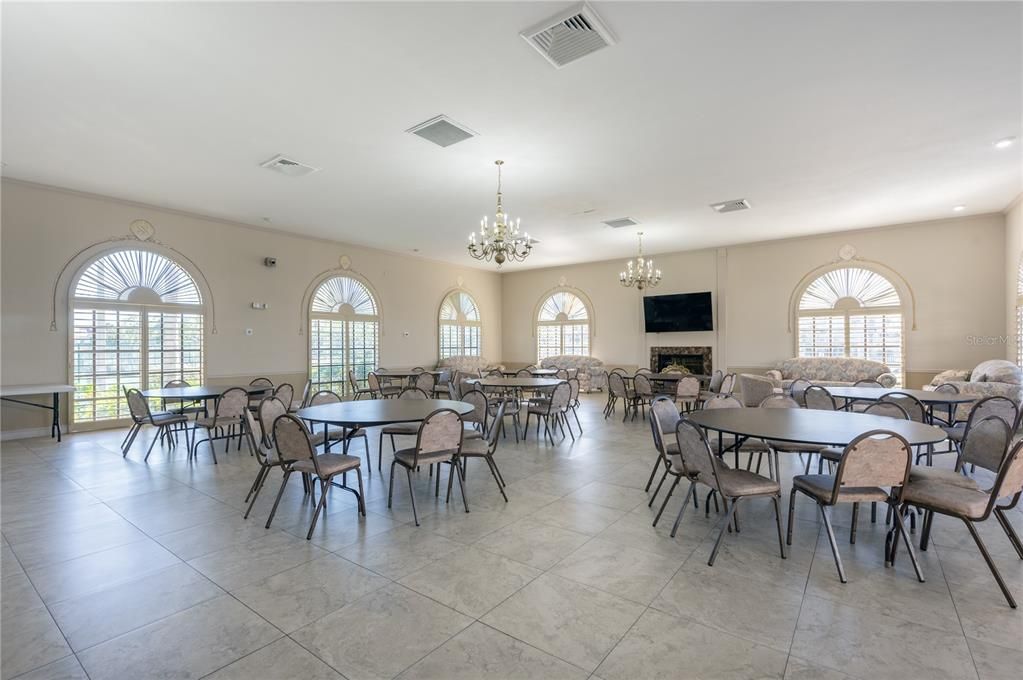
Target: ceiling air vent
x=731, y=206
x=621, y=222
x=288, y=166
x=569, y=36
x=442, y=131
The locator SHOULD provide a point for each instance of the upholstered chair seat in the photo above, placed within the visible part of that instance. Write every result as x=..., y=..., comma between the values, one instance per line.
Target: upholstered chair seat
x=329, y=464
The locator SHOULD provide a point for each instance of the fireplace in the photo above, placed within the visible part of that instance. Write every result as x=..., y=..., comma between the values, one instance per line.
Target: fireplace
x=695, y=359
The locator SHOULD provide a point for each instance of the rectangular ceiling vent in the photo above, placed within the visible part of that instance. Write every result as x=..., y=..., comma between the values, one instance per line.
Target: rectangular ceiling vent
x=442, y=131
x=288, y=166
x=569, y=36
x=731, y=206
x=621, y=222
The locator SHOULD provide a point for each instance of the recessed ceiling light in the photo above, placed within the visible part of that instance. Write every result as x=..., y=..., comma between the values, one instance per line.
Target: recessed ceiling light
x=958, y=208
x=1005, y=143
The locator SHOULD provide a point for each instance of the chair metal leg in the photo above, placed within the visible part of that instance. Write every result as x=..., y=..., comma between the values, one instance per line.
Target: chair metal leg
x=390, y=486
x=264, y=471
x=855, y=521
x=909, y=547
x=650, y=504
x=721, y=534
x=273, y=511
x=990, y=563
x=159, y=433
x=657, y=464
x=575, y=414
x=461, y=485
x=1009, y=531
x=671, y=490
x=834, y=543
x=412, y=495
x=777, y=520
x=319, y=507
x=682, y=510
x=362, y=494
x=792, y=515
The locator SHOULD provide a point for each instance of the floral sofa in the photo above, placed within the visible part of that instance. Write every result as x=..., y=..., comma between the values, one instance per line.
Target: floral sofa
x=989, y=378
x=591, y=370
x=831, y=371
x=467, y=364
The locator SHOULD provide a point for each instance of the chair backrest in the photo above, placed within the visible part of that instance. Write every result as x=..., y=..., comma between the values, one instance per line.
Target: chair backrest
x=616, y=384
x=232, y=404
x=754, y=389
x=644, y=370
x=947, y=387
x=687, y=388
x=177, y=383
x=478, y=399
x=324, y=397
x=425, y=381
x=574, y=389
x=138, y=407
x=453, y=391
x=887, y=408
x=560, y=397
x=373, y=381
x=270, y=409
x=867, y=383
x=817, y=398
x=445, y=376
x=261, y=382
x=257, y=447
x=1003, y=407
x=984, y=443
x=697, y=459
x=1009, y=483
x=562, y=374
x=285, y=392
x=716, y=379
x=305, y=393
x=779, y=401
x=797, y=388
x=727, y=383
x=879, y=458
x=440, y=431
x=664, y=416
x=910, y=404
x=641, y=384
x=352, y=381
x=418, y=369
x=618, y=371
x=523, y=373
x=413, y=393
x=291, y=438
x=496, y=425
x=722, y=401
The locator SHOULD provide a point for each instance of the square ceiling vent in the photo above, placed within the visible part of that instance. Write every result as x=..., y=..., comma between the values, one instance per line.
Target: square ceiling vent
x=569, y=36
x=731, y=206
x=621, y=222
x=442, y=131
x=288, y=166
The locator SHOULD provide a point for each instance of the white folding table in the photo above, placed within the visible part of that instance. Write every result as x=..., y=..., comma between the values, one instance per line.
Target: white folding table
x=8, y=392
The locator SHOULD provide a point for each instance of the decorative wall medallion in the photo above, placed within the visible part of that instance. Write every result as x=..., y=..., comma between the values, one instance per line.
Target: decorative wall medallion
x=460, y=280
x=847, y=252
x=142, y=230
x=345, y=262
x=562, y=281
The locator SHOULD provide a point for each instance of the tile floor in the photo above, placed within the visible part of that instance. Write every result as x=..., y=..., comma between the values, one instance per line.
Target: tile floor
x=116, y=569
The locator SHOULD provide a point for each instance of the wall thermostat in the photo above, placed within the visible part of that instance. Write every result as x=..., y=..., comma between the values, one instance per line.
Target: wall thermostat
x=270, y=261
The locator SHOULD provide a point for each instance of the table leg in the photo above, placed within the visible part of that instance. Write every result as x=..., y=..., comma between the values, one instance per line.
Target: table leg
x=55, y=426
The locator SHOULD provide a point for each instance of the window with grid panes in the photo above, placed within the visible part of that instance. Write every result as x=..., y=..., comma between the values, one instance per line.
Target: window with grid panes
x=136, y=322
x=344, y=334
x=459, y=325
x=563, y=326
x=852, y=312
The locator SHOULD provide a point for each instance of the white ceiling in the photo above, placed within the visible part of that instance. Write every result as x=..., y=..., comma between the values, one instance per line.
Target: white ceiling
x=826, y=116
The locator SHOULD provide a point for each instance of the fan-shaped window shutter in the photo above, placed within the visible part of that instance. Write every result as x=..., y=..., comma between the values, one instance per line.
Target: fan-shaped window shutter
x=562, y=326
x=459, y=326
x=344, y=334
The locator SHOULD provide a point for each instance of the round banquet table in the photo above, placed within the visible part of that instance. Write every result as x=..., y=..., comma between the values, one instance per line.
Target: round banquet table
x=809, y=426
x=199, y=392
x=928, y=397
x=516, y=383
x=536, y=372
x=371, y=412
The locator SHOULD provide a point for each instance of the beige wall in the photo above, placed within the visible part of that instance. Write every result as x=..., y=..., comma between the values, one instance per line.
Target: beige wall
x=753, y=283
x=1013, y=253
x=43, y=228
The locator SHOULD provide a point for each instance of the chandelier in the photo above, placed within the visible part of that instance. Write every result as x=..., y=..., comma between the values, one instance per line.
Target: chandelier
x=500, y=242
x=640, y=272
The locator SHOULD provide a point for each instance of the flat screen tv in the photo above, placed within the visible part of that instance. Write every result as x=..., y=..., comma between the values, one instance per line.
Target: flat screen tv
x=678, y=313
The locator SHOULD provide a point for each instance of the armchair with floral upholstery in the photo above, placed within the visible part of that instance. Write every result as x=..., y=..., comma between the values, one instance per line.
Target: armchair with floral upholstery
x=591, y=369
x=995, y=377
x=831, y=371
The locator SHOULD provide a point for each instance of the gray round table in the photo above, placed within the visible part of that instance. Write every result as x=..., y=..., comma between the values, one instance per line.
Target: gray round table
x=809, y=426
x=372, y=412
x=929, y=398
x=535, y=372
x=199, y=392
x=516, y=383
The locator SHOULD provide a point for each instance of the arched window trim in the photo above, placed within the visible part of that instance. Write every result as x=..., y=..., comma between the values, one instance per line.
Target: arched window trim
x=907, y=306
x=583, y=297
x=309, y=316
x=460, y=323
x=76, y=267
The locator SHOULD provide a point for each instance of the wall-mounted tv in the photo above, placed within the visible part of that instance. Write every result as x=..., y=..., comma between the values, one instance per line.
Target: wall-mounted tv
x=681, y=313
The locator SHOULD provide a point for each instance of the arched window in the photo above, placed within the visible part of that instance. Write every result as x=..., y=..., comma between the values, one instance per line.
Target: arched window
x=562, y=326
x=459, y=326
x=1019, y=312
x=136, y=321
x=344, y=333
x=852, y=312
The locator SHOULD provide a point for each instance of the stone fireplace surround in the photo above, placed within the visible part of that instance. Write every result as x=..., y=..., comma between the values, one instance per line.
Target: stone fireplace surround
x=696, y=359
